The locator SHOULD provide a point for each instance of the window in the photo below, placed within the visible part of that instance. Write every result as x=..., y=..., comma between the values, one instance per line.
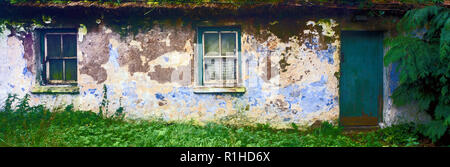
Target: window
x=60, y=57
x=219, y=56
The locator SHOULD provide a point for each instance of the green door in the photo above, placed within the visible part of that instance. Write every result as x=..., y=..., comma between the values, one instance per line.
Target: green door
x=361, y=81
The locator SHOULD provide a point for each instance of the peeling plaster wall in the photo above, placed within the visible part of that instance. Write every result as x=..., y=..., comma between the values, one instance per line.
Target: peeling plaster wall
x=393, y=114
x=16, y=76
x=152, y=75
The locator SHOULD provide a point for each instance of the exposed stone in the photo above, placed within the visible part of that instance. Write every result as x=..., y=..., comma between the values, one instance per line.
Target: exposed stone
x=162, y=75
x=95, y=52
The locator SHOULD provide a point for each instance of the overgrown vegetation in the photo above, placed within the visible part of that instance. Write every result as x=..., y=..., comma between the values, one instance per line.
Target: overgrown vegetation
x=422, y=51
x=25, y=125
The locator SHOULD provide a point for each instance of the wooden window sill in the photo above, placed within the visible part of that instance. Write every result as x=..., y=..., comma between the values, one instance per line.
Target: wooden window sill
x=203, y=90
x=55, y=89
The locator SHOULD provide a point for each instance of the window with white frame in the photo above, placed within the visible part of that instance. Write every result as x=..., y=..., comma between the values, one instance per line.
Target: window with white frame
x=60, y=57
x=220, y=56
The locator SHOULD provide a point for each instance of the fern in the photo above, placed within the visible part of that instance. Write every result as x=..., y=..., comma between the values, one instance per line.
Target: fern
x=424, y=65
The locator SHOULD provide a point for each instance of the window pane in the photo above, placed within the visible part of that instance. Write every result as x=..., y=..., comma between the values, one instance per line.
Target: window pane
x=71, y=70
x=70, y=46
x=56, y=69
x=229, y=68
x=211, y=43
x=212, y=69
x=228, y=44
x=53, y=45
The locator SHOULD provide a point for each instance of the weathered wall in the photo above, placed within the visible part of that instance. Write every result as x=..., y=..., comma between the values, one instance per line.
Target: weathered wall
x=394, y=114
x=290, y=71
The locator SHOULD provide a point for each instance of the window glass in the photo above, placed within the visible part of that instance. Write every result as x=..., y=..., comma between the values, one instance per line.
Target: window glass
x=71, y=69
x=228, y=42
x=70, y=45
x=228, y=69
x=56, y=69
x=211, y=44
x=212, y=69
x=54, y=45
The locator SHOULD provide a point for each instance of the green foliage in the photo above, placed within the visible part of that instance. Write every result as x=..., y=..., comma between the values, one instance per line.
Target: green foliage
x=424, y=65
x=403, y=134
x=9, y=100
x=119, y=111
x=394, y=136
x=26, y=125
x=327, y=129
x=104, y=105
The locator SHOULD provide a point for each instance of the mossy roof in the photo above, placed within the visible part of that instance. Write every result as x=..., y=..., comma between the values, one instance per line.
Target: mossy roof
x=231, y=4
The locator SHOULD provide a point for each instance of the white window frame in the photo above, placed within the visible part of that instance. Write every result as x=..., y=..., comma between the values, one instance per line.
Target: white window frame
x=236, y=57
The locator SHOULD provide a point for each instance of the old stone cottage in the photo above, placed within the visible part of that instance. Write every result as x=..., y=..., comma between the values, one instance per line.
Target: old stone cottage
x=284, y=63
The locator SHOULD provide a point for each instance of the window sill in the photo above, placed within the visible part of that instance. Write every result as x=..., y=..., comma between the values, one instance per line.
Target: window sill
x=204, y=90
x=53, y=89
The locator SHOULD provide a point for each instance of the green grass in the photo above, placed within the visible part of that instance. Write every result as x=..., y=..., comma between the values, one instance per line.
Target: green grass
x=27, y=126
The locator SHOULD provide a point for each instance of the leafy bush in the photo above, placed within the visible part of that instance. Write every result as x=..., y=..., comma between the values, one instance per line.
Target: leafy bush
x=403, y=134
x=327, y=129
x=424, y=65
x=394, y=136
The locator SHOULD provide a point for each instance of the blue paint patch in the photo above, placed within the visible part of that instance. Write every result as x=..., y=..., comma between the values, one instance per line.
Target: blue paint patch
x=314, y=97
x=394, y=77
x=110, y=89
x=182, y=95
x=159, y=96
x=326, y=55
x=166, y=59
x=262, y=49
x=313, y=44
x=308, y=45
x=113, y=56
x=92, y=91
x=222, y=104
x=291, y=94
x=10, y=85
x=255, y=93
x=323, y=55
x=187, y=98
x=129, y=92
x=25, y=70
